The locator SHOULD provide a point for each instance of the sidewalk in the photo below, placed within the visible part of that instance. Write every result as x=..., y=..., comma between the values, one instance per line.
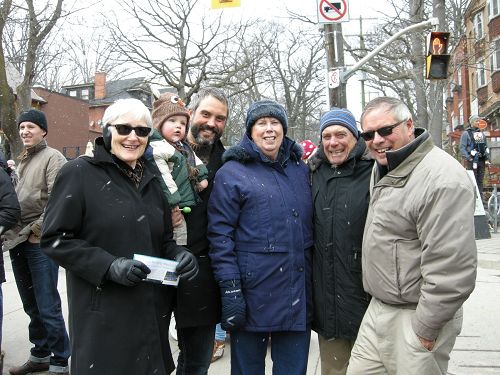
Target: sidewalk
x=477, y=350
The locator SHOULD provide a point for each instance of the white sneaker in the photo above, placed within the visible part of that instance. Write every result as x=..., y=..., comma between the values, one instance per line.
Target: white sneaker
x=171, y=329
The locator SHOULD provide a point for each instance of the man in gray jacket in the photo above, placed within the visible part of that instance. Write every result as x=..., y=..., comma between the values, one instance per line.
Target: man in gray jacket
x=419, y=254
x=36, y=275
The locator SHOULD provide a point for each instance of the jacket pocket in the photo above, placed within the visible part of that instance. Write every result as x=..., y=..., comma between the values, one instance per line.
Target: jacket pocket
x=407, y=255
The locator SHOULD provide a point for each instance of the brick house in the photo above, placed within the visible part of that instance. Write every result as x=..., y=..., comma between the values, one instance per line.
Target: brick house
x=68, y=122
x=474, y=87
x=100, y=94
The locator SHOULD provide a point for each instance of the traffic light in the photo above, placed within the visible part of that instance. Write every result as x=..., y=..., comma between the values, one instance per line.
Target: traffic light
x=437, y=60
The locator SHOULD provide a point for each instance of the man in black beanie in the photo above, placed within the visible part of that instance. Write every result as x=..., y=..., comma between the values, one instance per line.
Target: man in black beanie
x=35, y=273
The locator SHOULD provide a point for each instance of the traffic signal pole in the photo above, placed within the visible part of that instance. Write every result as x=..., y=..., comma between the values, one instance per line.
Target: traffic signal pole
x=349, y=73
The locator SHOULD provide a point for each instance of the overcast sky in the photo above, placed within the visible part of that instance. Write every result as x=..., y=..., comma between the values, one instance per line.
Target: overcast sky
x=368, y=10
x=277, y=10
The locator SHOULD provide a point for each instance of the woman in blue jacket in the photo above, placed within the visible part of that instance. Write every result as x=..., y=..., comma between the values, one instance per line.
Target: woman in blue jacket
x=260, y=231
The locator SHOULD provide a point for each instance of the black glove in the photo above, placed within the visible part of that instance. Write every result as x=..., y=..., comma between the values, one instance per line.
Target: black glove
x=188, y=265
x=127, y=272
x=234, y=306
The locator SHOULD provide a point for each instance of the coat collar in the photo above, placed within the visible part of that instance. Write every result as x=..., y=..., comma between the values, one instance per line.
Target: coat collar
x=33, y=150
x=398, y=176
x=103, y=157
x=247, y=151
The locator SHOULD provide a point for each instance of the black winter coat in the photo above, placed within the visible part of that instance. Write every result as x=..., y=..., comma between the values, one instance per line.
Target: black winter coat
x=94, y=215
x=198, y=302
x=10, y=212
x=340, y=198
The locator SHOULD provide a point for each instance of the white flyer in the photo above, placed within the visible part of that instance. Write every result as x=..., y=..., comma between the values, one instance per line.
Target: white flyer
x=162, y=270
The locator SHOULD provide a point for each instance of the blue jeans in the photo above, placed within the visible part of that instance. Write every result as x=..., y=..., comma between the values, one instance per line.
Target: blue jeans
x=220, y=334
x=195, y=349
x=289, y=352
x=36, y=279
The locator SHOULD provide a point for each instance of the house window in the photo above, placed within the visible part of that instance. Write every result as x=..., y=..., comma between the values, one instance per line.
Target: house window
x=459, y=75
x=480, y=75
x=72, y=93
x=85, y=94
x=495, y=56
x=493, y=8
x=478, y=26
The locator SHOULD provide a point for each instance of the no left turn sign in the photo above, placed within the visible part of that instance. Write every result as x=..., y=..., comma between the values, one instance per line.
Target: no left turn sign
x=332, y=11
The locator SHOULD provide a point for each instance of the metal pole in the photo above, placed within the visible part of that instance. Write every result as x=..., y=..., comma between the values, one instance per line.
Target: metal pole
x=347, y=74
x=495, y=209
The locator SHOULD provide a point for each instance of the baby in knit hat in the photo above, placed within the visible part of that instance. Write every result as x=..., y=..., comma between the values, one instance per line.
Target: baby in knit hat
x=182, y=173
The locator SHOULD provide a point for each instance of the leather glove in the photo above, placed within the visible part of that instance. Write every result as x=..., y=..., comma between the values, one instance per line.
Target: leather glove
x=188, y=265
x=233, y=305
x=127, y=272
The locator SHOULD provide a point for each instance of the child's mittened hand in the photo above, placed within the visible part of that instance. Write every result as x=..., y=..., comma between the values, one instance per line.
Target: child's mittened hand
x=201, y=185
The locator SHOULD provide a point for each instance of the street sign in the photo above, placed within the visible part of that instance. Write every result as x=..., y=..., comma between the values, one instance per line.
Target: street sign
x=332, y=11
x=333, y=78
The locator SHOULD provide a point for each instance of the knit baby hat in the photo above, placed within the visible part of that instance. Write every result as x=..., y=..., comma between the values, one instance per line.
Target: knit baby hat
x=168, y=105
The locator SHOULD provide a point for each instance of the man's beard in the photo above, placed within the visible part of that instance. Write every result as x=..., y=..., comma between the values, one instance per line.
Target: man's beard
x=202, y=141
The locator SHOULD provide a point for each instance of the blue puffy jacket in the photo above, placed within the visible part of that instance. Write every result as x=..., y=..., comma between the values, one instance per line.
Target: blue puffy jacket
x=260, y=231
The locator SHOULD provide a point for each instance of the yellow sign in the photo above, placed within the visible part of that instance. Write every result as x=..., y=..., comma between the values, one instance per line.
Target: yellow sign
x=219, y=4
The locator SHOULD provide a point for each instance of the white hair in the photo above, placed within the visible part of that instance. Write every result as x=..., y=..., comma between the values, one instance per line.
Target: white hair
x=129, y=106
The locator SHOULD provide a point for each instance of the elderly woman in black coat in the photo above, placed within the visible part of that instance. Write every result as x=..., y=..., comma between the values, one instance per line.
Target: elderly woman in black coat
x=102, y=210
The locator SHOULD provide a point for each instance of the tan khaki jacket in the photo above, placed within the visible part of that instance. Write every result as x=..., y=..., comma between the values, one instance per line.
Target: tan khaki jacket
x=418, y=244
x=37, y=171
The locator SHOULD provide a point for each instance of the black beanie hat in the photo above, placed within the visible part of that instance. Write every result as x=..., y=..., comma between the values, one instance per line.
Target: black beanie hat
x=35, y=116
x=266, y=108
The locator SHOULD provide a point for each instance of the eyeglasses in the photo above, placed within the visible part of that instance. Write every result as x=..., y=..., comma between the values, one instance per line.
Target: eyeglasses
x=126, y=129
x=383, y=131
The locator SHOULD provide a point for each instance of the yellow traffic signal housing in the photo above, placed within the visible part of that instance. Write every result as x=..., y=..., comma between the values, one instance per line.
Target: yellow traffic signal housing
x=437, y=60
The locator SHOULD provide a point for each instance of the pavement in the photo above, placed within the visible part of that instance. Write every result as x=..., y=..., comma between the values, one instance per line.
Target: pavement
x=476, y=352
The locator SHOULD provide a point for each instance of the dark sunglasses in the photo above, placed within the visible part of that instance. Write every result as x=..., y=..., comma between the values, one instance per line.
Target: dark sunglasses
x=383, y=131
x=126, y=129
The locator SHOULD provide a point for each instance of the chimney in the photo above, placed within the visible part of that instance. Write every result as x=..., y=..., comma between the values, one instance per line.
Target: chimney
x=100, y=85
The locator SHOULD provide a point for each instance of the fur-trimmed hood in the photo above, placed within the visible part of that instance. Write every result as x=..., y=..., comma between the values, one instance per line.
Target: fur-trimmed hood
x=247, y=151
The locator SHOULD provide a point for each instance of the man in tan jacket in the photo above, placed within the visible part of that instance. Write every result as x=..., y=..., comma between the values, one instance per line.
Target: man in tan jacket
x=36, y=275
x=419, y=255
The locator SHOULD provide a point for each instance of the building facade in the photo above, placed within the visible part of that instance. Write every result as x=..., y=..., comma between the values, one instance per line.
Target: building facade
x=474, y=85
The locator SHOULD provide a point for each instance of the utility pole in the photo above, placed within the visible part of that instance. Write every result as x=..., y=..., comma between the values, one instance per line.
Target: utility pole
x=335, y=57
x=362, y=47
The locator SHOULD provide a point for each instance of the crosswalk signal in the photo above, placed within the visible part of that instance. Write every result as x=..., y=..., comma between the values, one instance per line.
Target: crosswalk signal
x=436, y=65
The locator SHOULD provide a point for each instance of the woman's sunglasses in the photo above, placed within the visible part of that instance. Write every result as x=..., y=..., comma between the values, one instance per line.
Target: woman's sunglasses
x=126, y=129
x=383, y=131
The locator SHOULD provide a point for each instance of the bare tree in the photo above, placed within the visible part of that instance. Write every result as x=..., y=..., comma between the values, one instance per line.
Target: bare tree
x=295, y=60
x=399, y=69
x=77, y=56
x=173, y=43
x=36, y=24
x=7, y=97
x=284, y=64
